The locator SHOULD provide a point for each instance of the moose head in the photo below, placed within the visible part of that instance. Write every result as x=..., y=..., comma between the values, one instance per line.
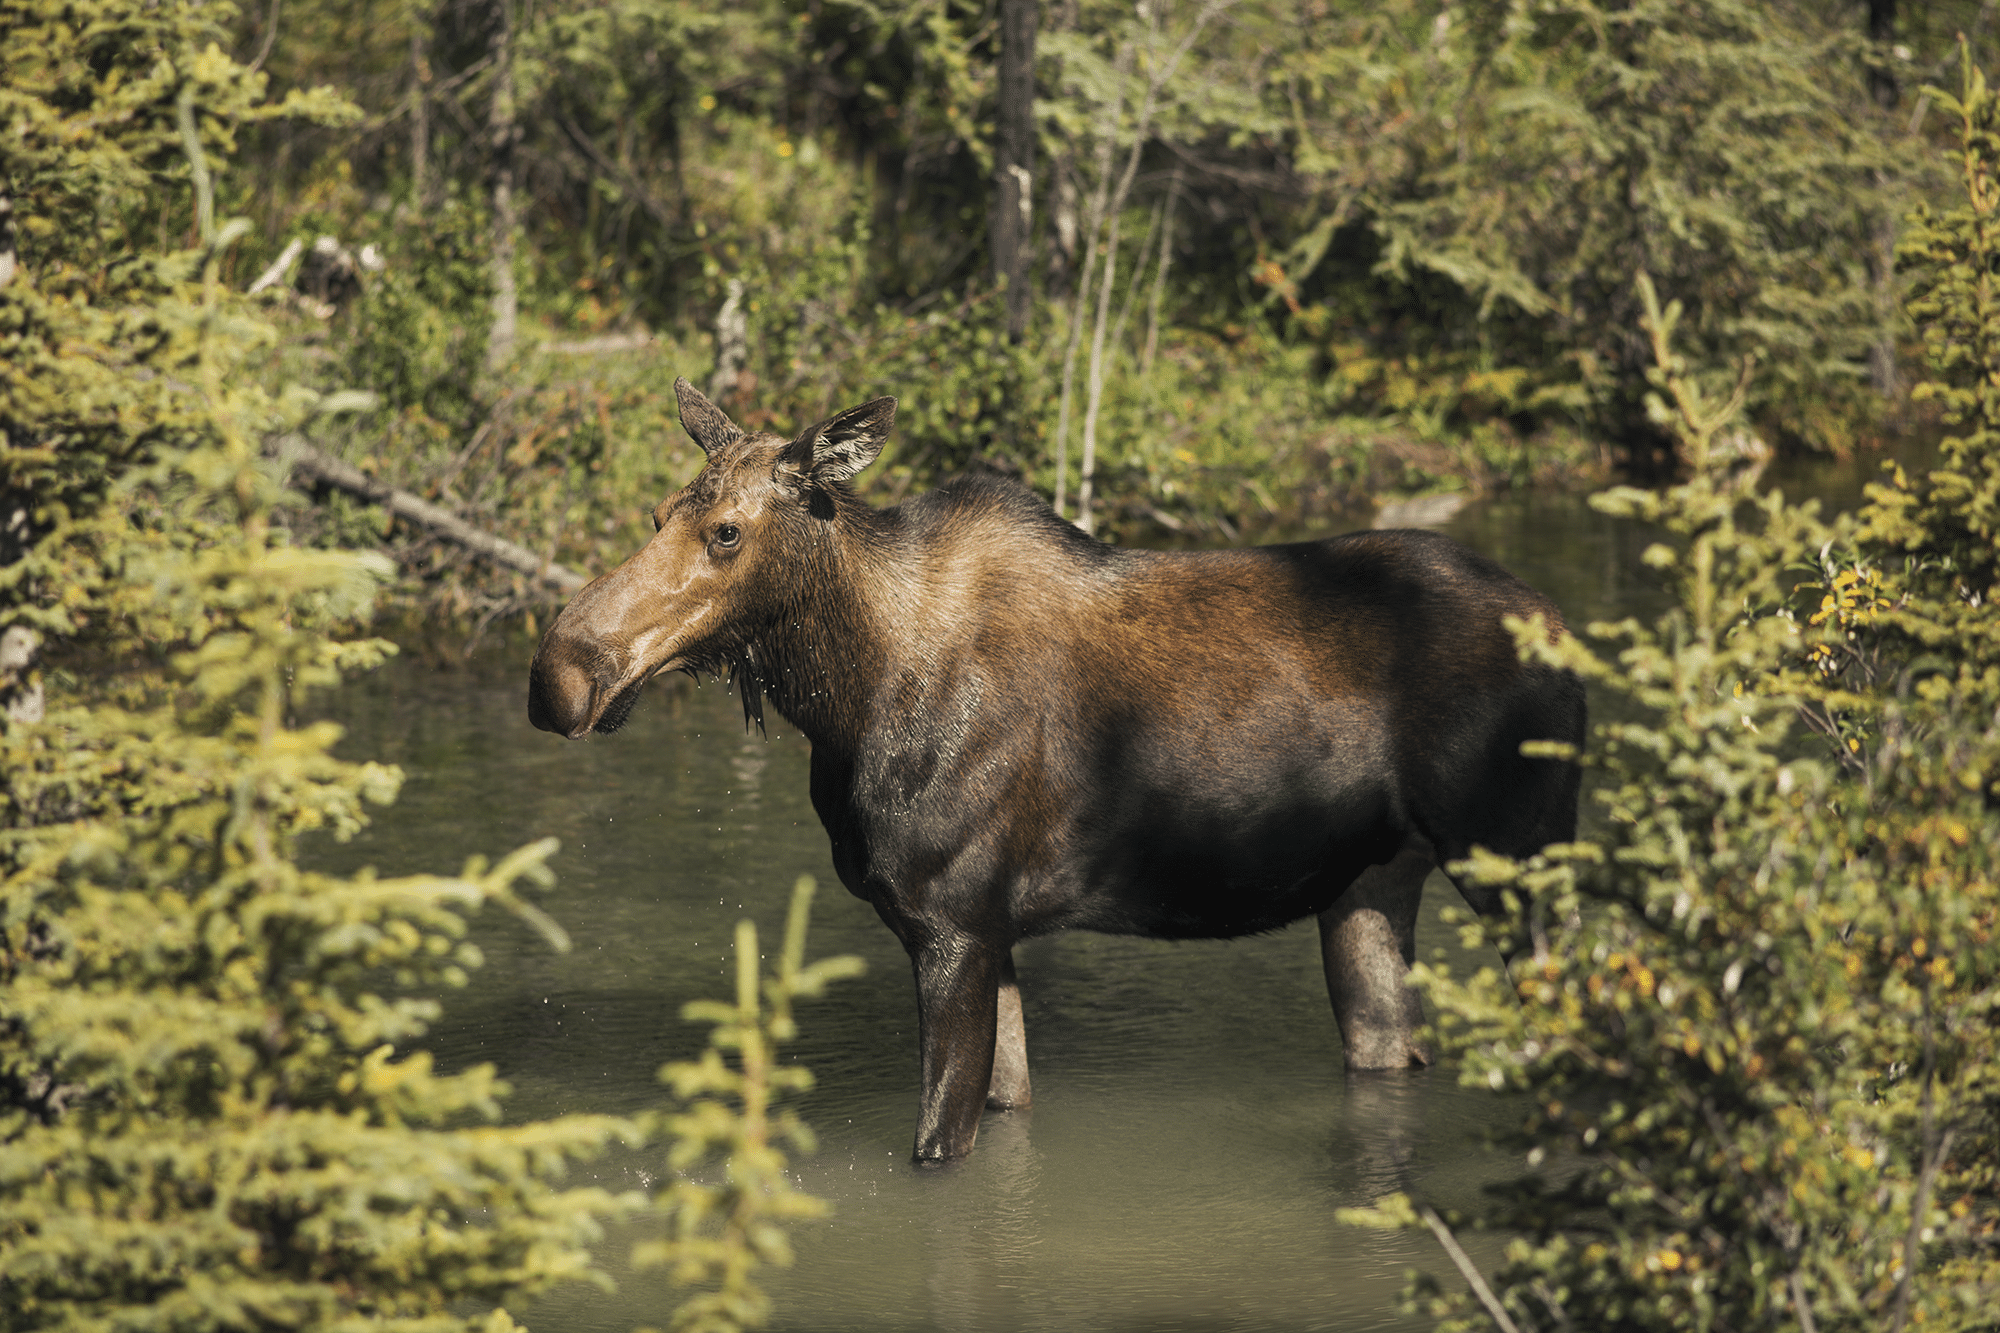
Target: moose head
x=731, y=555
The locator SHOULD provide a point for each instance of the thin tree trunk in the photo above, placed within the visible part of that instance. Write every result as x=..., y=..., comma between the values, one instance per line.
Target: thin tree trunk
x=204, y=185
x=500, y=340
x=1162, y=73
x=1160, y=275
x=420, y=113
x=1088, y=468
x=1883, y=372
x=1062, y=190
x=1063, y=229
x=1138, y=273
x=1107, y=142
x=270, y=37
x=1014, y=162
x=7, y=261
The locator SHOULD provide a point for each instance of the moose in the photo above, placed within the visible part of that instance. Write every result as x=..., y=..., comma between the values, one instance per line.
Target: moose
x=1017, y=729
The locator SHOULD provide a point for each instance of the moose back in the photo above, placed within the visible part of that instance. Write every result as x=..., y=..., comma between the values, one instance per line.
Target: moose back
x=1017, y=729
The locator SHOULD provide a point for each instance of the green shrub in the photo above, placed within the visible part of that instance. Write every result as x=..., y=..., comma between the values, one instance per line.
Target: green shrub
x=213, y=1114
x=1754, y=1017
x=721, y=1231
x=417, y=333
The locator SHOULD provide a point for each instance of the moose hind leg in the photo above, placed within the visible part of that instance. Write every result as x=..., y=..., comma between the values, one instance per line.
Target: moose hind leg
x=1368, y=940
x=1009, y=1090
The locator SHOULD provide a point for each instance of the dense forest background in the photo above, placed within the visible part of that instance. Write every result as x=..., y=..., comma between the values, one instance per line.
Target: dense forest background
x=1215, y=264
x=1188, y=269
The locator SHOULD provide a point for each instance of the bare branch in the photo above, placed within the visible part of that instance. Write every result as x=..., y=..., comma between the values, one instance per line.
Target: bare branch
x=1468, y=1270
x=311, y=462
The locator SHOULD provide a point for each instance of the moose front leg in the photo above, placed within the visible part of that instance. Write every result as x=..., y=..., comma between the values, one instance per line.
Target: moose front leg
x=1368, y=940
x=958, y=994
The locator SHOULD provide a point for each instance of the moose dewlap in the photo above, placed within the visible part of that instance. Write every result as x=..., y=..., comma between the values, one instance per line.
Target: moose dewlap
x=1018, y=730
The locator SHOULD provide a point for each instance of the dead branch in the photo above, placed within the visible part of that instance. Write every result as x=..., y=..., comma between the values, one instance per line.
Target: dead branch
x=321, y=467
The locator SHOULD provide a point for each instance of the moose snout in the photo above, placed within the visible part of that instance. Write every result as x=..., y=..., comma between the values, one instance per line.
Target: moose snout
x=561, y=694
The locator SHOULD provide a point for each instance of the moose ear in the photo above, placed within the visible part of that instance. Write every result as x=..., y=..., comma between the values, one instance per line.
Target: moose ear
x=844, y=443
x=706, y=424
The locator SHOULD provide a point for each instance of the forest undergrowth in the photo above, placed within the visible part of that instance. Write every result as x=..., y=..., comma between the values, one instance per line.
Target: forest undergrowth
x=1280, y=259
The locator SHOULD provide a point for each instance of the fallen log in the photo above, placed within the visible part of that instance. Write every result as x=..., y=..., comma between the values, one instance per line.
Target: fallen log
x=310, y=462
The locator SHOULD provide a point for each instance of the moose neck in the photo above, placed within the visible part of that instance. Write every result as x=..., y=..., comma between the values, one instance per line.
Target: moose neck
x=820, y=662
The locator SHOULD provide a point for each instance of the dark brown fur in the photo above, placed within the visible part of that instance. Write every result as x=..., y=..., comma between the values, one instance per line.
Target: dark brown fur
x=1018, y=730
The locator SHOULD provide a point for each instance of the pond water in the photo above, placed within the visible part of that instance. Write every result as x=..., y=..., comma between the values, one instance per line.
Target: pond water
x=1192, y=1132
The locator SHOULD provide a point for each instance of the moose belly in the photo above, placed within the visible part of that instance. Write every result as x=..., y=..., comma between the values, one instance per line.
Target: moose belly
x=1165, y=834
x=1243, y=822
x=1203, y=865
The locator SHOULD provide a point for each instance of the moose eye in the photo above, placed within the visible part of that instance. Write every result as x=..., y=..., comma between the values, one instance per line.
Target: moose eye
x=728, y=535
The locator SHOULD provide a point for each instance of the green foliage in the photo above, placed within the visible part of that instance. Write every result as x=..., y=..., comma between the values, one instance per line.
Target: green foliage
x=1528, y=158
x=213, y=1114
x=417, y=335
x=1946, y=528
x=1754, y=1016
x=721, y=1233
x=966, y=398
x=1432, y=212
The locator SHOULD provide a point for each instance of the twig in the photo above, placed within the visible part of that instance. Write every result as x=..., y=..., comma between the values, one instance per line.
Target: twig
x=1801, y=1306
x=633, y=187
x=280, y=266
x=1468, y=1270
x=270, y=36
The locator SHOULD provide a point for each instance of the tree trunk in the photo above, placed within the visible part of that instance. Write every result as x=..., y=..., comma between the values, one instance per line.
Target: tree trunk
x=1881, y=73
x=420, y=112
x=1014, y=161
x=504, y=132
x=1160, y=277
x=1088, y=470
x=1106, y=146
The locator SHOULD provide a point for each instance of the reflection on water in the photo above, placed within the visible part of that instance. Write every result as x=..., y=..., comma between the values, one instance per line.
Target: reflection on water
x=1192, y=1132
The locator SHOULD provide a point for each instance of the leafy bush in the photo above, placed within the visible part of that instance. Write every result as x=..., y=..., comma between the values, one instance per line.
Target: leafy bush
x=1754, y=1019
x=1492, y=177
x=417, y=333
